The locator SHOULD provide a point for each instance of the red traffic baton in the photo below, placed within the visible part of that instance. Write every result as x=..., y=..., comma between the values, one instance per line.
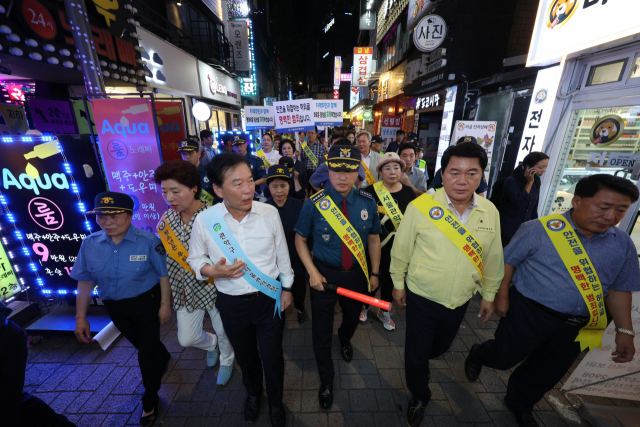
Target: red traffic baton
x=366, y=299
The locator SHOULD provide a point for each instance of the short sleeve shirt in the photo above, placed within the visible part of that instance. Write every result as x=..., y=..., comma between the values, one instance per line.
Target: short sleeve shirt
x=542, y=276
x=327, y=245
x=258, y=168
x=121, y=271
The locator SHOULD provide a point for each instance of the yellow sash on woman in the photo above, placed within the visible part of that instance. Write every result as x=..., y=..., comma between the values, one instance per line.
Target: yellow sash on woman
x=583, y=272
x=390, y=206
x=343, y=228
x=367, y=174
x=263, y=157
x=174, y=248
x=309, y=153
x=456, y=232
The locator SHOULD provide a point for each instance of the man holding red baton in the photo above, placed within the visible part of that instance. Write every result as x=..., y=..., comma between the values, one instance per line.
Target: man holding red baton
x=343, y=222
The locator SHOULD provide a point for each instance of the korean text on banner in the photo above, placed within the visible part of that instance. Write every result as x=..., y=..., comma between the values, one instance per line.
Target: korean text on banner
x=259, y=117
x=483, y=132
x=13, y=120
x=129, y=148
x=362, y=66
x=337, y=66
x=8, y=281
x=171, y=128
x=294, y=115
x=327, y=112
x=390, y=125
x=239, y=38
x=544, y=96
x=51, y=116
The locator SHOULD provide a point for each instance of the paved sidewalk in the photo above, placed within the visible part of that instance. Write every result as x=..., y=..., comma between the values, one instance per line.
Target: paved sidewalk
x=103, y=388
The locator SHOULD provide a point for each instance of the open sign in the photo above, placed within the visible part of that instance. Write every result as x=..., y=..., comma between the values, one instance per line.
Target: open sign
x=623, y=160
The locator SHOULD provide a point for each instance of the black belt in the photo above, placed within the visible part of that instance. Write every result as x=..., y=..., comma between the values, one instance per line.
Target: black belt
x=337, y=268
x=567, y=318
x=252, y=295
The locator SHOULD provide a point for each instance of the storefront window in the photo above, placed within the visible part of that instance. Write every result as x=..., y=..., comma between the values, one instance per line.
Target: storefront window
x=222, y=121
x=213, y=122
x=634, y=72
x=494, y=108
x=606, y=73
x=603, y=140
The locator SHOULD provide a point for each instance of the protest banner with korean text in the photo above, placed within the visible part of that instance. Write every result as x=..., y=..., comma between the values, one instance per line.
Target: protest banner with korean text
x=259, y=117
x=327, y=112
x=294, y=115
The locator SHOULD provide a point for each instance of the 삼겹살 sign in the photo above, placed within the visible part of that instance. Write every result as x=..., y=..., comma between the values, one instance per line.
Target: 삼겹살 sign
x=327, y=112
x=259, y=117
x=294, y=115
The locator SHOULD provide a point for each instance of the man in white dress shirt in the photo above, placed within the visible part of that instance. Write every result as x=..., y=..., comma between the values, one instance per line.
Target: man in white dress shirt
x=248, y=315
x=369, y=157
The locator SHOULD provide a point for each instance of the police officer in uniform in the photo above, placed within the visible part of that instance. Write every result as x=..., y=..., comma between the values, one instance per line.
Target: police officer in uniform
x=333, y=262
x=188, y=149
x=258, y=167
x=124, y=263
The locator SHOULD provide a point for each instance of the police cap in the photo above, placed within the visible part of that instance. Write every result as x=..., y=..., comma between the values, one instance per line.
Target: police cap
x=188, y=145
x=112, y=203
x=344, y=158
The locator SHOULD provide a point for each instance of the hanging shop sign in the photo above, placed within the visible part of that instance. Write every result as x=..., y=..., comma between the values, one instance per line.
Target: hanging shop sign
x=430, y=102
x=51, y=116
x=43, y=197
x=429, y=33
x=566, y=26
x=337, y=65
x=259, y=117
x=336, y=92
x=447, y=121
x=542, y=100
x=362, y=65
x=354, y=96
x=40, y=30
x=129, y=148
x=327, y=113
x=239, y=39
x=250, y=81
x=270, y=101
x=168, y=66
x=171, y=128
x=368, y=20
x=218, y=86
x=12, y=120
x=390, y=125
x=418, y=9
x=483, y=132
x=345, y=77
x=294, y=115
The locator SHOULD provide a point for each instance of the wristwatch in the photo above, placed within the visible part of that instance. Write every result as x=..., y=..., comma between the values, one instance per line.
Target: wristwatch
x=286, y=289
x=625, y=331
x=375, y=274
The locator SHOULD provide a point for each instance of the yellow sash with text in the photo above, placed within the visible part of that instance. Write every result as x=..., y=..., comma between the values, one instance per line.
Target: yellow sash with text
x=343, y=228
x=174, y=248
x=389, y=205
x=309, y=153
x=456, y=232
x=583, y=272
x=367, y=173
x=263, y=157
x=206, y=197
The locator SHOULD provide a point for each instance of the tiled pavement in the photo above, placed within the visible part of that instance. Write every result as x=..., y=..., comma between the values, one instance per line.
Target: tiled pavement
x=103, y=388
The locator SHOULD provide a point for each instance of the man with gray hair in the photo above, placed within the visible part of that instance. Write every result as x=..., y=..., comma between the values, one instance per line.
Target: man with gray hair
x=370, y=158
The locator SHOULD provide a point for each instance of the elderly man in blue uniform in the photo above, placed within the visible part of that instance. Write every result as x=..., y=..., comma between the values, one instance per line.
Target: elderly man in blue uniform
x=188, y=149
x=124, y=263
x=258, y=168
x=566, y=268
x=342, y=221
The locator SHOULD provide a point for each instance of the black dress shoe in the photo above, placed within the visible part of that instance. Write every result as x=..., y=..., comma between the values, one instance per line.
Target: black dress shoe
x=415, y=412
x=302, y=316
x=252, y=407
x=325, y=396
x=523, y=420
x=472, y=369
x=278, y=417
x=347, y=352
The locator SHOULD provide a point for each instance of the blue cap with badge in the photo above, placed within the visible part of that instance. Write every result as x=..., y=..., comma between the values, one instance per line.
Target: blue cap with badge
x=112, y=203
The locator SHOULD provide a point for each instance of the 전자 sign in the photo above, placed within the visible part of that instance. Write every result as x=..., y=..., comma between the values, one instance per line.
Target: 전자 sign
x=294, y=115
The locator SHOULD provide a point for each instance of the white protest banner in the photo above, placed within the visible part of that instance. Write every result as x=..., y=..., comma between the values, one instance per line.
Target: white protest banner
x=390, y=125
x=362, y=66
x=535, y=128
x=483, y=132
x=294, y=115
x=259, y=117
x=609, y=379
x=327, y=112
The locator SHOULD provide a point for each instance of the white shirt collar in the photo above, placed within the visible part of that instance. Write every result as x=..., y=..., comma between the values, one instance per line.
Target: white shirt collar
x=369, y=156
x=225, y=211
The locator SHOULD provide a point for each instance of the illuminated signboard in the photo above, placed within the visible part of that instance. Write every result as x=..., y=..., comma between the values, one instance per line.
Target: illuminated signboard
x=362, y=64
x=337, y=65
x=250, y=84
x=329, y=25
x=237, y=9
x=43, y=197
x=345, y=77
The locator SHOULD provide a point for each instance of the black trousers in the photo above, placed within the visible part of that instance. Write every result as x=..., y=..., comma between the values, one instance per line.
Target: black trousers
x=386, y=284
x=299, y=290
x=322, y=307
x=138, y=321
x=18, y=408
x=431, y=328
x=255, y=332
x=544, y=342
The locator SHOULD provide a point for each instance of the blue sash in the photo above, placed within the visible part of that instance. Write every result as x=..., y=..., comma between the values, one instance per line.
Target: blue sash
x=217, y=227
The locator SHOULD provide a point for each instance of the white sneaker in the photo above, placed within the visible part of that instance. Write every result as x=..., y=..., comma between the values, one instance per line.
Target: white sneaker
x=385, y=318
x=363, y=314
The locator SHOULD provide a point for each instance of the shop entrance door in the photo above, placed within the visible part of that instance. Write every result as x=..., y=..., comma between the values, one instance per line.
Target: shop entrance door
x=514, y=135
